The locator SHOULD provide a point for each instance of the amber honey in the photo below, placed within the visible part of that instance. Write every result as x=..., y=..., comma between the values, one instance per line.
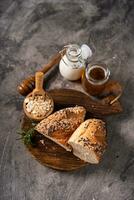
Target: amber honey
x=95, y=78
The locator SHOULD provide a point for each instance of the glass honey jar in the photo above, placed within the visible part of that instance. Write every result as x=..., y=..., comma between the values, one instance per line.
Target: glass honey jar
x=95, y=78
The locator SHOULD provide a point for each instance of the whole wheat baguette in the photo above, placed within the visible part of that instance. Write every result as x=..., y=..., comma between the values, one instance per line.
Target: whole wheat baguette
x=60, y=125
x=89, y=140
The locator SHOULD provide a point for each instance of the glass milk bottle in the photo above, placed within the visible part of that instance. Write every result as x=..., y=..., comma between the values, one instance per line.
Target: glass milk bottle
x=72, y=63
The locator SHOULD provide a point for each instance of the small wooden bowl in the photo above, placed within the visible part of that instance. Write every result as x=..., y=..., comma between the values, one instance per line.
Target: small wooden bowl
x=31, y=116
x=38, y=91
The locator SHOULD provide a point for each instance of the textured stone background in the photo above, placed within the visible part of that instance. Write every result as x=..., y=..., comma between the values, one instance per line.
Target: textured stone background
x=31, y=31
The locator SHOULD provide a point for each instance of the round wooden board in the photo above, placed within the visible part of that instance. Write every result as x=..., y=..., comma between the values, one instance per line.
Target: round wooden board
x=49, y=153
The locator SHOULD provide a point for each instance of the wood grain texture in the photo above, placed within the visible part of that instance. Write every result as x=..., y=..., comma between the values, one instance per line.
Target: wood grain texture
x=69, y=97
x=30, y=33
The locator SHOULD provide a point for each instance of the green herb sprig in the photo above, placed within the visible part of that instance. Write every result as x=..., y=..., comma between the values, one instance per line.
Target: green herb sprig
x=27, y=136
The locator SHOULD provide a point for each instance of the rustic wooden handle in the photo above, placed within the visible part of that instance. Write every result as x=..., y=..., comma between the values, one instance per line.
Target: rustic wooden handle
x=113, y=88
x=54, y=60
x=39, y=81
x=69, y=97
x=28, y=84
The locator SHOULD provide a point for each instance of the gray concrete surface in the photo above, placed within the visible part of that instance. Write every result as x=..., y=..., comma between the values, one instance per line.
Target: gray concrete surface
x=31, y=31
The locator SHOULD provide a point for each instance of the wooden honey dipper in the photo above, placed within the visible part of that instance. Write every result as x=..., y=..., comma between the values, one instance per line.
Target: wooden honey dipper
x=27, y=85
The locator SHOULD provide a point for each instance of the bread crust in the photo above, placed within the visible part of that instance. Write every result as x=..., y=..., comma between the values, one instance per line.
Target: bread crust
x=60, y=125
x=91, y=137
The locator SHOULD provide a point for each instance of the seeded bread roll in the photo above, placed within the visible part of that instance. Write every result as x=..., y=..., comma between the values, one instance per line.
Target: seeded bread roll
x=60, y=125
x=89, y=140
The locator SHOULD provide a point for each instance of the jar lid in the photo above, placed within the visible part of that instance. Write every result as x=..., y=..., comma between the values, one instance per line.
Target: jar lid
x=86, y=51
